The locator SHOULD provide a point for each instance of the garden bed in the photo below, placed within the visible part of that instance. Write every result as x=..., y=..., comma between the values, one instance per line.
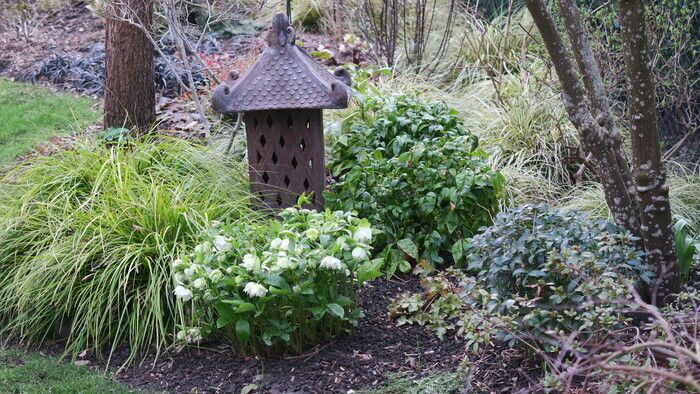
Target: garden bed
x=377, y=348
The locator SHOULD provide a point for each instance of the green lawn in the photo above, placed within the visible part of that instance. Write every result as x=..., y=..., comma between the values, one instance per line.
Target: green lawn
x=31, y=114
x=29, y=372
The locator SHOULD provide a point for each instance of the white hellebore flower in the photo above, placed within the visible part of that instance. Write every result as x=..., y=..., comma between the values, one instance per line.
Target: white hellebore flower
x=221, y=244
x=359, y=254
x=182, y=293
x=255, y=289
x=189, y=272
x=250, y=262
x=282, y=244
x=177, y=263
x=283, y=263
x=363, y=234
x=199, y=283
x=331, y=263
x=215, y=276
x=285, y=244
x=312, y=234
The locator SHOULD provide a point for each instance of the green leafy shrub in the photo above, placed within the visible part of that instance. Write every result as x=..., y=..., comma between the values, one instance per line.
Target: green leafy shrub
x=555, y=269
x=88, y=235
x=412, y=169
x=545, y=272
x=284, y=294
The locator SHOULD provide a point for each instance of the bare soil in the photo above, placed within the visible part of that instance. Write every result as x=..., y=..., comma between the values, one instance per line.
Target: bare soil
x=353, y=361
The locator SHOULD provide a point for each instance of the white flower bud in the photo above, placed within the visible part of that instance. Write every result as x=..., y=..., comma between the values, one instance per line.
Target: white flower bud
x=199, y=283
x=215, y=276
x=359, y=254
x=183, y=293
x=312, y=234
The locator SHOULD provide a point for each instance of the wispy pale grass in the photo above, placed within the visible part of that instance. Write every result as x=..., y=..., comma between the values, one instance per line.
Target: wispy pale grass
x=684, y=190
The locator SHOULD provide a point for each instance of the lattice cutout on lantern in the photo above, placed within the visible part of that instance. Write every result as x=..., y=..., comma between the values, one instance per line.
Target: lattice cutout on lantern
x=285, y=151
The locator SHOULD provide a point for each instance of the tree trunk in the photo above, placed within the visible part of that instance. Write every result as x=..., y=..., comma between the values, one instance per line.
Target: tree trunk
x=649, y=171
x=595, y=138
x=639, y=203
x=129, y=70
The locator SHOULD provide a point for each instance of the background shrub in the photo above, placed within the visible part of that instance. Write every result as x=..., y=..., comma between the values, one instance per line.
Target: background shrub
x=412, y=169
x=87, y=237
x=281, y=285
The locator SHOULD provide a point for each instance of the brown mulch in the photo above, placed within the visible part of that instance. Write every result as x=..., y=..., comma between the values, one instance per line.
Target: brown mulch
x=362, y=359
x=71, y=29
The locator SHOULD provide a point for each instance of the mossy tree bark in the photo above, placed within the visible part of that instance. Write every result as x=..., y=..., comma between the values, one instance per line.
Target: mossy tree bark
x=649, y=170
x=129, y=69
x=638, y=197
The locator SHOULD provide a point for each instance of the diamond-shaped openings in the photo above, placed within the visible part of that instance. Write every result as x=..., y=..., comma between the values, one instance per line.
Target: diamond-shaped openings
x=265, y=177
x=287, y=181
x=311, y=164
x=263, y=141
x=295, y=163
x=270, y=122
x=278, y=199
x=290, y=122
x=274, y=158
x=307, y=124
x=306, y=184
x=258, y=156
x=302, y=145
x=282, y=142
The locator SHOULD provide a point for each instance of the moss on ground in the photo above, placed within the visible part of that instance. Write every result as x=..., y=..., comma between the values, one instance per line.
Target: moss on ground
x=31, y=114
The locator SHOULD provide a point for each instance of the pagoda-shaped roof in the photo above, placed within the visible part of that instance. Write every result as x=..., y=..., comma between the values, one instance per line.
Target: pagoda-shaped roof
x=284, y=77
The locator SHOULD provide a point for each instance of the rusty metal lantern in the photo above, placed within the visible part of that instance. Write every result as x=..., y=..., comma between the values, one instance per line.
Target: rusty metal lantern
x=283, y=96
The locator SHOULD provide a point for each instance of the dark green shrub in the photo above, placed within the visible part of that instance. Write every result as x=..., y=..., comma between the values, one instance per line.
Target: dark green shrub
x=543, y=272
x=554, y=269
x=414, y=171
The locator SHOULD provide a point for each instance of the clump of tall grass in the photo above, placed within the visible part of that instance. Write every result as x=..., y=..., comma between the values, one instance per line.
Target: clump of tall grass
x=88, y=235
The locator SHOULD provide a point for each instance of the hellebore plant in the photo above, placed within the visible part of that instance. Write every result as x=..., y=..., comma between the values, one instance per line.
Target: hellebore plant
x=277, y=286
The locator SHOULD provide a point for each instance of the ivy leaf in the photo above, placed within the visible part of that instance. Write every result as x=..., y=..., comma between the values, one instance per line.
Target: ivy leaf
x=408, y=247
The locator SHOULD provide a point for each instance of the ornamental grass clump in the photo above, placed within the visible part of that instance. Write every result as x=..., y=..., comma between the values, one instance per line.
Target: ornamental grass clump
x=278, y=286
x=417, y=174
x=88, y=235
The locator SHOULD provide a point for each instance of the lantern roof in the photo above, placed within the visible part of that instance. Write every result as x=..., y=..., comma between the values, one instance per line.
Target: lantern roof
x=283, y=77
